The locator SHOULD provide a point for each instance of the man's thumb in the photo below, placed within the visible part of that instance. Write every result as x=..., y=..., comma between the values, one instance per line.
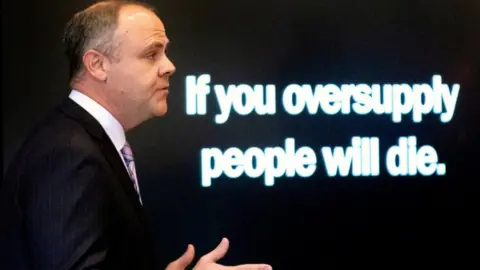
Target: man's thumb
x=217, y=253
x=183, y=261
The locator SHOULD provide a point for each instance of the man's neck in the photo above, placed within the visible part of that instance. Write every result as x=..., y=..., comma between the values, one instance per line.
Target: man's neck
x=101, y=99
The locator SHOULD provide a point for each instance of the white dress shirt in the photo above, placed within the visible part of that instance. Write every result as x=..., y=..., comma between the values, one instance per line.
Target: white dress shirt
x=110, y=124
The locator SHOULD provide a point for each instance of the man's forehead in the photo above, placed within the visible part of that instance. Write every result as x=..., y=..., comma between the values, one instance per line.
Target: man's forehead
x=138, y=19
x=156, y=37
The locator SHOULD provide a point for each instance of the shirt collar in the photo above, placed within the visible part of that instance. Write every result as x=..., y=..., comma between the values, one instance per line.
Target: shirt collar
x=110, y=124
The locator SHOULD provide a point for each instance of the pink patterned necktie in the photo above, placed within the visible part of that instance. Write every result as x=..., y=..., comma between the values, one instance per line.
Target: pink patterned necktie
x=128, y=157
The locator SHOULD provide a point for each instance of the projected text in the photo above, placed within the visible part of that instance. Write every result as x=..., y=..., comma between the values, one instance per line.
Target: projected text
x=396, y=100
x=360, y=157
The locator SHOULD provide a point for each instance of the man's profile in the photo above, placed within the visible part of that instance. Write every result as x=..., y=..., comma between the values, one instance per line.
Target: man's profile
x=70, y=197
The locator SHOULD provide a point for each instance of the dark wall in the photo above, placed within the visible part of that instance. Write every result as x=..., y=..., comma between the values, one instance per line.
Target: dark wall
x=314, y=223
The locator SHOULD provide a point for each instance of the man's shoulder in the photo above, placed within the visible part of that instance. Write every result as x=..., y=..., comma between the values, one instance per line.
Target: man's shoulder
x=54, y=150
x=54, y=135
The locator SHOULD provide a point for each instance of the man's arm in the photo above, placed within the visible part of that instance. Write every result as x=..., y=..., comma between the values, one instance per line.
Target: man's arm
x=64, y=208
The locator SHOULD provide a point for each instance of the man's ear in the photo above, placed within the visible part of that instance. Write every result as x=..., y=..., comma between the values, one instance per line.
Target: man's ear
x=94, y=63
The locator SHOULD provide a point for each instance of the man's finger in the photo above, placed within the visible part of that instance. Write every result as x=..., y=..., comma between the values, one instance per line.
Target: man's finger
x=187, y=257
x=253, y=267
x=217, y=253
x=183, y=261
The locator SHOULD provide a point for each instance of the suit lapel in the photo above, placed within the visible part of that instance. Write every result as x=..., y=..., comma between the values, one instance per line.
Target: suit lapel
x=94, y=128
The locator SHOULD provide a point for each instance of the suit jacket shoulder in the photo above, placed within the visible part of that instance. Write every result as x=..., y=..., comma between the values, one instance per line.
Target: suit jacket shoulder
x=70, y=199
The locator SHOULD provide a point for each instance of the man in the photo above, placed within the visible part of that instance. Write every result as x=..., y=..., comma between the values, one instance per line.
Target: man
x=71, y=196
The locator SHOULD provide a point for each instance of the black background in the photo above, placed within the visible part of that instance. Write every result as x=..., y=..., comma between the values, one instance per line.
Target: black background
x=314, y=223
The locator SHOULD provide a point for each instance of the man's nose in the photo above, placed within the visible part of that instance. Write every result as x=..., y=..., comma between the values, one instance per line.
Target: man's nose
x=169, y=68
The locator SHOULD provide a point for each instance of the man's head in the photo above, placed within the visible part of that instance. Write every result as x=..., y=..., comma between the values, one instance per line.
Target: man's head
x=117, y=54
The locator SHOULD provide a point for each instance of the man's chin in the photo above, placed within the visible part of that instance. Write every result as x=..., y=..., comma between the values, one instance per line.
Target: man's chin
x=161, y=110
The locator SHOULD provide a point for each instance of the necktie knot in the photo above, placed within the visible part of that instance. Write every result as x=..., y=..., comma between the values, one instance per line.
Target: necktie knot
x=127, y=149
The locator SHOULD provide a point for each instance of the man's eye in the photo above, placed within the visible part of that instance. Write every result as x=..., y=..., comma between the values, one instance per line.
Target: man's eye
x=151, y=56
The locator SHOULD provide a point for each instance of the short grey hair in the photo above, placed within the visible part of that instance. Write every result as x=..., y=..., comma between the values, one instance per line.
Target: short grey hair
x=93, y=28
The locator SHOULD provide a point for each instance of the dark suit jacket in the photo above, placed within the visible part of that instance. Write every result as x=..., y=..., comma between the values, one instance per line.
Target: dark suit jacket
x=68, y=201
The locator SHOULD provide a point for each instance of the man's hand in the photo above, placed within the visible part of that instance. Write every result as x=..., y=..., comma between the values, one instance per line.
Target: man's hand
x=209, y=261
x=183, y=261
